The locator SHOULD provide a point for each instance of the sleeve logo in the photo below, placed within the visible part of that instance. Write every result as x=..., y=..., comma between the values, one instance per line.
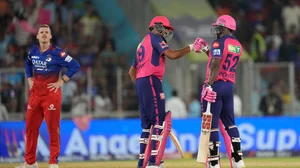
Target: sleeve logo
x=216, y=52
x=163, y=45
x=216, y=44
x=62, y=54
x=68, y=58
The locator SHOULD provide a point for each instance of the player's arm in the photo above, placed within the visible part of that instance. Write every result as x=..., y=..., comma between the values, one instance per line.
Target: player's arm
x=132, y=74
x=72, y=65
x=163, y=49
x=175, y=54
x=216, y=54
x=132, y=71
x=214, y=70
x=29, y=71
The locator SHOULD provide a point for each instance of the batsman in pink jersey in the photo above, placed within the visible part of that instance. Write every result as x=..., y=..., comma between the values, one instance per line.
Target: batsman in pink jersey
x=223, y=58
x=147, y=72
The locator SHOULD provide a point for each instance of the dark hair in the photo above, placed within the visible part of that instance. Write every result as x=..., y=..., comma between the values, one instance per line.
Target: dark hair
x=174, y=92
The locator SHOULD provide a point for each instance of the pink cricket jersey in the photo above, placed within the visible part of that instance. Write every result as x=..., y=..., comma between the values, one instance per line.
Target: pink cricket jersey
x=229, y=50
x=149, y=58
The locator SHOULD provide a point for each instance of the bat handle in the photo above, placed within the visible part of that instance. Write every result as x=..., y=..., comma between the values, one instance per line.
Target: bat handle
x=208, y=106
x=208, y=103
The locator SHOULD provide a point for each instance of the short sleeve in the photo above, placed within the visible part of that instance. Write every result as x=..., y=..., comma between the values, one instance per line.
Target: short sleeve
x=159, y=44
x=217, y=48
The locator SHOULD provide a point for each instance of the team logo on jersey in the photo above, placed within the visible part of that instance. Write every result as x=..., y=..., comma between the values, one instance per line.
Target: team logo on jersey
x=216, y=44
x=62, y=54
x=51, y=107
x=163, y=44
x=234, y=49
x=49, y=58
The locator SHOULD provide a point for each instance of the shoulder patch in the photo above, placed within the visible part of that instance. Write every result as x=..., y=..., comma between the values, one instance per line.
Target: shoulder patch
x=216, y=44
x=163, y=45
x=62, y=54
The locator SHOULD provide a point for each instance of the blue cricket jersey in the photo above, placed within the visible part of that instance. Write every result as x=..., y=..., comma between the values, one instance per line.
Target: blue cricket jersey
x=45, y=68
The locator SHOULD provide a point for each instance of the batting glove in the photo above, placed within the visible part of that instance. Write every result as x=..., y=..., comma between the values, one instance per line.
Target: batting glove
x=200, y=45
x=208, y=94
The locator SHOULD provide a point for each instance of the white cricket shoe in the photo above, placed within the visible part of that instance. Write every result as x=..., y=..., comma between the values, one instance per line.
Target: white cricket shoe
x=215, y=166
x=53, y=166
x=25, y=165
x=154, y=166
x=239, y=164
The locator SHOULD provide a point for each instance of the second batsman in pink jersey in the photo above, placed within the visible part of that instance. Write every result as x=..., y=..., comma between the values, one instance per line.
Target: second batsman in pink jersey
x=223, y=59
x=147, y=72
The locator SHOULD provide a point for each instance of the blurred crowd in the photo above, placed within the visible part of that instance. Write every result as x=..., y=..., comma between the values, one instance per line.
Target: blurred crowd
x=270, y=31
x=76, y=28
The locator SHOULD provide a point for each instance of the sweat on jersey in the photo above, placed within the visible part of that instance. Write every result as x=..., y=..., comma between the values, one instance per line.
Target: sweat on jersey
x=45, y=68
x=229, y=50
x=149, y=58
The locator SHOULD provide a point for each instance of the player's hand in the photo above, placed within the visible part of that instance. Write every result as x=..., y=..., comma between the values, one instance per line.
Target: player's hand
x=30, y=82
x=208, y=94
x=200, y=45
x=55, y=86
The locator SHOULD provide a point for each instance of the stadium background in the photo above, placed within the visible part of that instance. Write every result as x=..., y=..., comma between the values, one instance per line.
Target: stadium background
x=103, y=35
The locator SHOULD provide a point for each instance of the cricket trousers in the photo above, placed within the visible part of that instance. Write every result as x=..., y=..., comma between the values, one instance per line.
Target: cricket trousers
x=222, y=109
x=152, y=109
x=40, y=107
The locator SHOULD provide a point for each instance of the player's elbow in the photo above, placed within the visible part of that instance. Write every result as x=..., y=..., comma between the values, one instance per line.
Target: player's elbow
x=172, y=54
x=131, y=71
x=76, y=67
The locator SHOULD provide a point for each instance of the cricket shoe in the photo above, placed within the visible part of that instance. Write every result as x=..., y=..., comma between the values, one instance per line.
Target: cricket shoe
x=25, y=165
x=53, y=166
x=239, y=164
x=152, y=165
x=215, y=166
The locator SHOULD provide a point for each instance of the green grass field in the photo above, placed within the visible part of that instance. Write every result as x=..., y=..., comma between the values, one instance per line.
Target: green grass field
x=183, y=163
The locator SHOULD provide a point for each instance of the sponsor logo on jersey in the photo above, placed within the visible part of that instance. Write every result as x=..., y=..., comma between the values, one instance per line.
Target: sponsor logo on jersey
x=35, y=57
x=51, y=107
x=62, y=54
x=68, y=58
x=234, y=49
x=39, y=64
x=216, y=44
x=217, y=52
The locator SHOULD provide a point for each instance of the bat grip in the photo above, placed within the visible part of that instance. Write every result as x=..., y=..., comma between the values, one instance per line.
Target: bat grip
x=208, y=106
x=208, y=103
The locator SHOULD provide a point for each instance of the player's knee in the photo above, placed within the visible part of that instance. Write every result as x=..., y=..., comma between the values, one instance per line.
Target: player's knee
x=214, y=130
x=230, y=127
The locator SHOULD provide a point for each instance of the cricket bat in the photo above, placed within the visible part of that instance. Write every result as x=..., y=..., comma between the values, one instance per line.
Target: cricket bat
x=204, y=135
x=176, y=143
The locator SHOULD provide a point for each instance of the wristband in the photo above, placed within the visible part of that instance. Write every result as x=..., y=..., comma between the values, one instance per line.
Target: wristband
x=191, y=47
x=63, y=79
